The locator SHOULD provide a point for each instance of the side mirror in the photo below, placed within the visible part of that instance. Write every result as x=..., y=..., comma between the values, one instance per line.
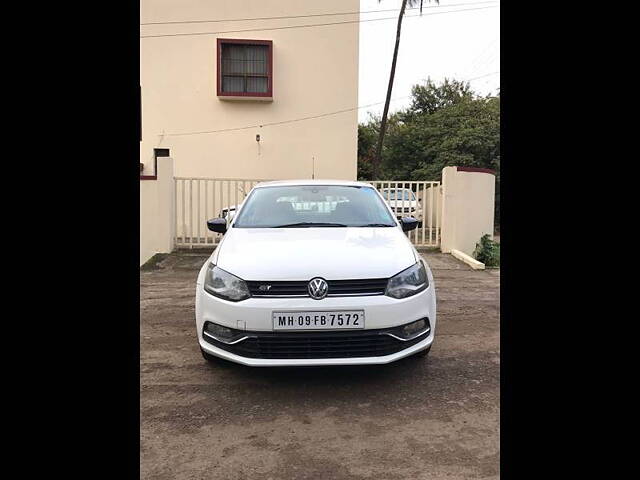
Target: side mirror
x=408, y=223
x=218, y=225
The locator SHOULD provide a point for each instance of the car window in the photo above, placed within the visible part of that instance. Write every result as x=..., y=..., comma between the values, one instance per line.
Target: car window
x=324, y=205
x=398, y=195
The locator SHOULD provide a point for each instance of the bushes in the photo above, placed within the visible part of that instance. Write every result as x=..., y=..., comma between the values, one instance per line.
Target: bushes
x=487, y=251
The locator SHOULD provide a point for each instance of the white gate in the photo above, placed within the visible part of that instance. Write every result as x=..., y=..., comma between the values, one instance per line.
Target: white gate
x=200, y=199
x=420, y=200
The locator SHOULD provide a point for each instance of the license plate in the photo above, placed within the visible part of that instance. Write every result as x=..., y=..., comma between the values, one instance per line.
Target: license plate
x=331, y=320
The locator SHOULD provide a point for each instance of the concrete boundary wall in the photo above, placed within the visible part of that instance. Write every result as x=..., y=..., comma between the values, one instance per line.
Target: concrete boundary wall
x=467, y=207
x=463, y=206
x=468, y=259
x=157, y=211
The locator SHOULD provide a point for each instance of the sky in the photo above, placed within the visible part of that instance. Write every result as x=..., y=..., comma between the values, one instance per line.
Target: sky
x=461, y=45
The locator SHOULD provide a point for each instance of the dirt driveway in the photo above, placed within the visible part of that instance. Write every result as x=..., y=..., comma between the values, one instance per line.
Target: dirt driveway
x=415, y=419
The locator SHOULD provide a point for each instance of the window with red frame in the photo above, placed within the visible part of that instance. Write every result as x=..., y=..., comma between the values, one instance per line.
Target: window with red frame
x=244, y=68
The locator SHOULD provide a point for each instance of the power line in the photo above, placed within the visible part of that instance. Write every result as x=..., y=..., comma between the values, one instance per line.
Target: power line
x=476, y=64
x=484, y=64
x=312, y=25
x=337, y=112
x=307, y=16
x=273, y=123
x=407, y=96
x=481, y=76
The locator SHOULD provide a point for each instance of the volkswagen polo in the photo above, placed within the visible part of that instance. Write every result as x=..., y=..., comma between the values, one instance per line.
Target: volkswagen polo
x=311, y=273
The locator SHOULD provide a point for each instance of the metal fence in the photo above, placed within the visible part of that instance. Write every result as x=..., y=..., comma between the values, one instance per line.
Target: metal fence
x=419, y=200
x=200, y=199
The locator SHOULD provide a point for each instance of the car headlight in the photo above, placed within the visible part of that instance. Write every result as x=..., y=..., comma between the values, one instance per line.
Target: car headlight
x=408, y=282
x=225, y=285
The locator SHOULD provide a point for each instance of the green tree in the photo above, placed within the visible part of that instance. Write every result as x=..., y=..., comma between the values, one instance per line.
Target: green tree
x=367, y=134
x=429, y=98
x=445, y=125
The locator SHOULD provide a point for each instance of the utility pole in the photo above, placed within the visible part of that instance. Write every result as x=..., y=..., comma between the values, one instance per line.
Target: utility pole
x=383, y=124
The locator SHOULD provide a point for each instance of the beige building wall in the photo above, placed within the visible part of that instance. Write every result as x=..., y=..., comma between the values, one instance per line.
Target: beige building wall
x=467, y=208
x=148, y=219
x=431, y=202
x=315, y=71
x=157, y=212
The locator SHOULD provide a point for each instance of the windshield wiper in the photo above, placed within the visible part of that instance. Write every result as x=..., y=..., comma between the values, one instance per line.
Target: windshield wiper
x=310, y=224
x=376, y=225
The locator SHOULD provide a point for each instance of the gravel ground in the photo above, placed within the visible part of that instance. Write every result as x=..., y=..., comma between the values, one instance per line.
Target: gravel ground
x=433, y=418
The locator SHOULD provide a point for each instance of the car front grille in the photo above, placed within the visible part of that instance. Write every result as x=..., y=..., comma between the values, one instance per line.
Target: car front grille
x=334, y=344
x=337, y=288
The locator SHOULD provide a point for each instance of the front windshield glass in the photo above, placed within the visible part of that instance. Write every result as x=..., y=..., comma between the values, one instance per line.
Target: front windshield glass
x=398, y=195
x=314, y=206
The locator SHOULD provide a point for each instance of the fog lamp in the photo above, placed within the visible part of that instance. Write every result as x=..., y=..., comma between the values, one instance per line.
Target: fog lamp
x=220, y=333
x=414, y=329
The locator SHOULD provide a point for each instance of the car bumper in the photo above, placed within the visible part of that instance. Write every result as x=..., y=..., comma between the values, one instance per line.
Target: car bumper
x=316, y=362
x=255, y=315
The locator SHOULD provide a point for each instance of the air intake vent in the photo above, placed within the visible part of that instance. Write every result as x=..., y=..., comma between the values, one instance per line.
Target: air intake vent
x=367, y=343
x=337, y=288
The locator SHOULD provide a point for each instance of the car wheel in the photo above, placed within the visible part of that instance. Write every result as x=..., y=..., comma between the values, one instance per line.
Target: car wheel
x=422, y=353
x=210, y=358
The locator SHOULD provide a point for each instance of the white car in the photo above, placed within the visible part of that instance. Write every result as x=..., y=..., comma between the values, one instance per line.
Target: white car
x=403, y=202
x=314, y=272
x=228, y=213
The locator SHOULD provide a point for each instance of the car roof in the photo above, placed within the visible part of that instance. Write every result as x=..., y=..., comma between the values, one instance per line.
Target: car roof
x=286, y=183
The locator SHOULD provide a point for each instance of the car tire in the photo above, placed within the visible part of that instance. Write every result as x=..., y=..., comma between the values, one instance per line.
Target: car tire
x=210, y=358
x=422, y=353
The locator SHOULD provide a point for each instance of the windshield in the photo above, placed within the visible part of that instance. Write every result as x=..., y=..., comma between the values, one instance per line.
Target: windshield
x=398, y=195
x=300, y=206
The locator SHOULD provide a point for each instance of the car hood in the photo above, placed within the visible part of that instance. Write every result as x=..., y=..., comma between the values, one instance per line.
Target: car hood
x=304, y=253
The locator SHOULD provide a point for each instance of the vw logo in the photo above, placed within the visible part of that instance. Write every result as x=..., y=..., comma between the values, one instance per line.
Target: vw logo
x=318, y=288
